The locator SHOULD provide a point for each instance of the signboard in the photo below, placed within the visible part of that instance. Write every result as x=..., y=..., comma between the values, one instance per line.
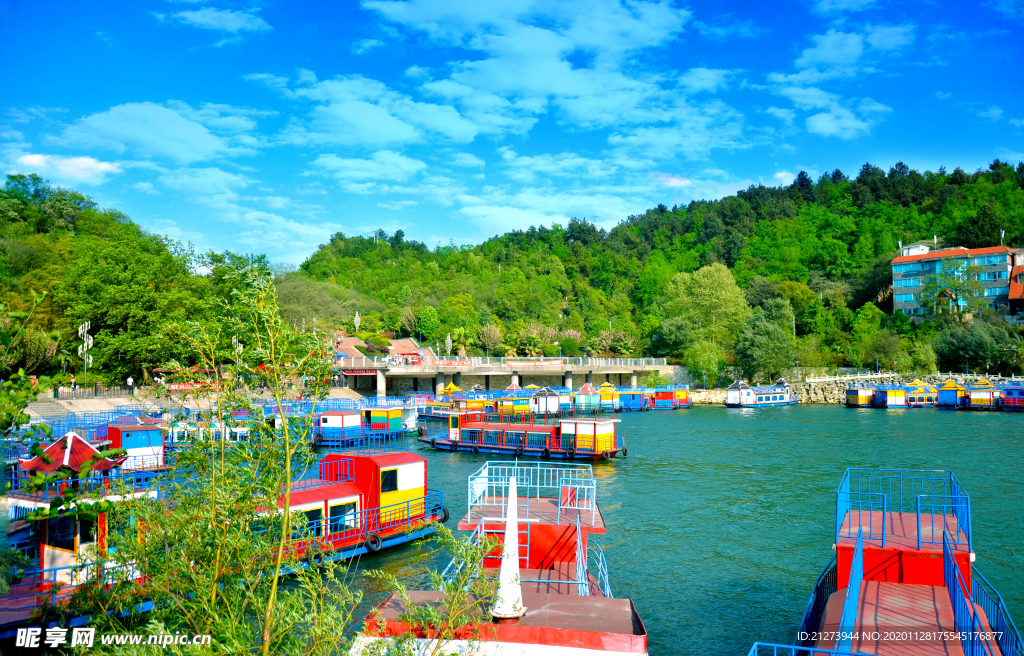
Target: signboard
x=359, y=372
x=533, y=363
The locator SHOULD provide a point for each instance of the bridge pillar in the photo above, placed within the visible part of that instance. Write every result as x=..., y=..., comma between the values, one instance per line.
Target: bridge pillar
x=567, y=380
x=382, y=384
x=457, y=379
x=632, y=380
x=350, y=382
x=439, y=382
x=415, y=384
x=487, y=382
x=590, y=377
x=620, y=379
x=515, y=377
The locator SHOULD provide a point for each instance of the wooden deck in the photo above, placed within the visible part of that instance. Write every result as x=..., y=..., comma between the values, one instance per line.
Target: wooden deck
x=895, y=611
x=542, y=511
x=901, y=530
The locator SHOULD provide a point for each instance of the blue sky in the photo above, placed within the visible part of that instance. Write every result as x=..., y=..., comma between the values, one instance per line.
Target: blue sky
x=268, y=126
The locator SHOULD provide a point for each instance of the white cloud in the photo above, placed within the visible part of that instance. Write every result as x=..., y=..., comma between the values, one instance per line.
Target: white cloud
x=890, y=37
x=726, y=27
x=993, y=113
x=365, y=175
x=1017, y=122
x=837, y=122
x=224, y=20
x=366, y=45
x=785, y=115
x=705, y=79
x=840, y=6
x=146, y=188
x=398, y=204
x=943, y=95
x=784, y=178
x=669, y=180
x=525, y=168
x=468, y=160
x=832, y=49
x=355, y=110
x=692, y=132
x=80, y=170
x=148, y=129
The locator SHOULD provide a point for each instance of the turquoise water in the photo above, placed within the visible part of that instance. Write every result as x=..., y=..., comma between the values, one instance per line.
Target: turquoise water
x=720, y=520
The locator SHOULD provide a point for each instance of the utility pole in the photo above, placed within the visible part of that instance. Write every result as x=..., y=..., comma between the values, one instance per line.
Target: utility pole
x=238, y=352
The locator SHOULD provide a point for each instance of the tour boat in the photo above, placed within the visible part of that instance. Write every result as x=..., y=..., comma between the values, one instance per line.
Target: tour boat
x=742, y=395
x=670, y=397
x=951, y=395
x=903, y=579
x=859, y=397
x=553, y=593
x=890, y=396
x=1013, y=397
x=921, y=395
x=525, y=436
x=983, y=395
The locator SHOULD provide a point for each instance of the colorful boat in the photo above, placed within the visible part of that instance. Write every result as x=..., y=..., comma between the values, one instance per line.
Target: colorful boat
x=632, y=400
x=587, y=399
x=903, y=580
x=1013, y=397
x=859, y=397
x=609, y=397
x=951, y=395
x=545, y=401
x=890, y=396
x=566, y=437
x=921, y=395
x=742, y=395
x=983, y=395
x=553, y=593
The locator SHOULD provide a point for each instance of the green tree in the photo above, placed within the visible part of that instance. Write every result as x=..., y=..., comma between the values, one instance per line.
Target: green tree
x=704, y=361
x=953, y=289
x=428, y=323
x=764, y=348
x=710, y=302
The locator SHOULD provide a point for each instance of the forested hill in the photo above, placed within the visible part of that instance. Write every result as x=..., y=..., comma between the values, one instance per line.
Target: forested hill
x=824, y=246
x=763, y=279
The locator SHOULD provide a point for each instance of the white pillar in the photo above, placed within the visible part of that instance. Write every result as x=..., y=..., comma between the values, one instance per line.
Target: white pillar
x=632, y=380
x=515, y=377
x=509, y=603
x=439, y=383
x=382, y=384
x=568, y=380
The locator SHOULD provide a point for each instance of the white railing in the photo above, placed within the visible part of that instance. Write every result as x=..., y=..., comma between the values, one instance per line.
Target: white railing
x=851, y=377
x=431, y=363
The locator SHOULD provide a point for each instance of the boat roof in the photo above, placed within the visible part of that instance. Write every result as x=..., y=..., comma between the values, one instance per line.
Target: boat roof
x=328, y=490
x=587, y=389
x=69, y=452
x=339, y=413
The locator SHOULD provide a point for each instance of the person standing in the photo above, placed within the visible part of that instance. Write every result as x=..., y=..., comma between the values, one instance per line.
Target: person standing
x=74, y=385
x=131, y=385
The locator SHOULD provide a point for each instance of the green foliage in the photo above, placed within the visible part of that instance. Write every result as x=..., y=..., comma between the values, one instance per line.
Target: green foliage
x=710, y=302
x=765, y=347
x=656, y=379
x=704, y=361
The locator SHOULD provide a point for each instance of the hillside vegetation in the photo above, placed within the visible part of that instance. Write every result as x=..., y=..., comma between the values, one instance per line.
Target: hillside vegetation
x=762, y=280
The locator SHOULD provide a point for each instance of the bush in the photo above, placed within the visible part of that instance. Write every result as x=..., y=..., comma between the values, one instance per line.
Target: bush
x=570, y=347
x=371, y=347
x=550, y=351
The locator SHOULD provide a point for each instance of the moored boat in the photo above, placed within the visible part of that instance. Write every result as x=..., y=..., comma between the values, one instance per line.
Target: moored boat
x=921, y=395
x=859, y=397
x=890, y=396
x=951, y=395
x=742, y=395
x=552, y=596
x=903, y=580
x=983, y=395
x=571, y=437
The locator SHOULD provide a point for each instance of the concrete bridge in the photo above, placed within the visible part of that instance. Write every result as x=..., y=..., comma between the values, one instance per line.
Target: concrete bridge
x=402, y=373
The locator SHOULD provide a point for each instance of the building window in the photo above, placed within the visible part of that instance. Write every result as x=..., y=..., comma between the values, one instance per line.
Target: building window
x=990, y=260
x=993, y=275
x=997, y=291
x=909, y=282
x=905, y=298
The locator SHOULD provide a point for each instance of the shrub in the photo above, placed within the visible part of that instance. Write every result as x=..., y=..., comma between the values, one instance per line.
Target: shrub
x=570, y=347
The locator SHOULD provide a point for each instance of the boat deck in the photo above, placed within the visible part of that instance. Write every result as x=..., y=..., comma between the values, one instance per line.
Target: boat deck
x=556, y=581
x=908, y=620
x=542, y=511
x=550, y=619
x=901, y=530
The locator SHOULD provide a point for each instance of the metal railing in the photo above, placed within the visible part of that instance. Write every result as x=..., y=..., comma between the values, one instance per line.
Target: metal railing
x=489, y=484
x=999, y=620
x=595, y=552
x=582, y=577
x=851, y=605
x=824, y=587
x=928, y=492
x=769, y=649
x=327, y=473
x=578, y=495
x=965, y=619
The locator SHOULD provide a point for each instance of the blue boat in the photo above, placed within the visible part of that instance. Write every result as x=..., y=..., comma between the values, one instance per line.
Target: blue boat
x=742, y=395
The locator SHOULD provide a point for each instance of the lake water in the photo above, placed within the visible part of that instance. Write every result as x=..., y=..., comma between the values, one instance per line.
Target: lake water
x=720, y=520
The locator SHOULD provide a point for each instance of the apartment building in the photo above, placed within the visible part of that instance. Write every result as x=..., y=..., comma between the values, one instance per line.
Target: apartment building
x=910, y=272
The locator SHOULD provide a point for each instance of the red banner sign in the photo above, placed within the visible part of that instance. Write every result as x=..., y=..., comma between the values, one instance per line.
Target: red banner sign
x=359, y=372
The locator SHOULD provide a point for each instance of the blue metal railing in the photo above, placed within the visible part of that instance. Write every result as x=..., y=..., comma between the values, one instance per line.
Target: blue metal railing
x=965, y=618
x=769, y=649
x=999, y=620
x=848, y=619
x=936, y=494
x=600, y=565
x=582, y=578
x=824, y=587
x=577, y=494
x=489, y=484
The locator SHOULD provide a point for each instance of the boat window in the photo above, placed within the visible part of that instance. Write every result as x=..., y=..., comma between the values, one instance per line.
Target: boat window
x=61, y=533
x=86, y=531
x=455, y=421
x=389, y=480
x=311, y=525
x=760, y=399
x=343, y=516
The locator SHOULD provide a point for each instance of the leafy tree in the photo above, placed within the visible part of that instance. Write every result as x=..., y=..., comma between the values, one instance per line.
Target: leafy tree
x=704, y=361
x=710, y=302
x=953, y=289
x=656, y=379
x=428, y=324
x=764, y=348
